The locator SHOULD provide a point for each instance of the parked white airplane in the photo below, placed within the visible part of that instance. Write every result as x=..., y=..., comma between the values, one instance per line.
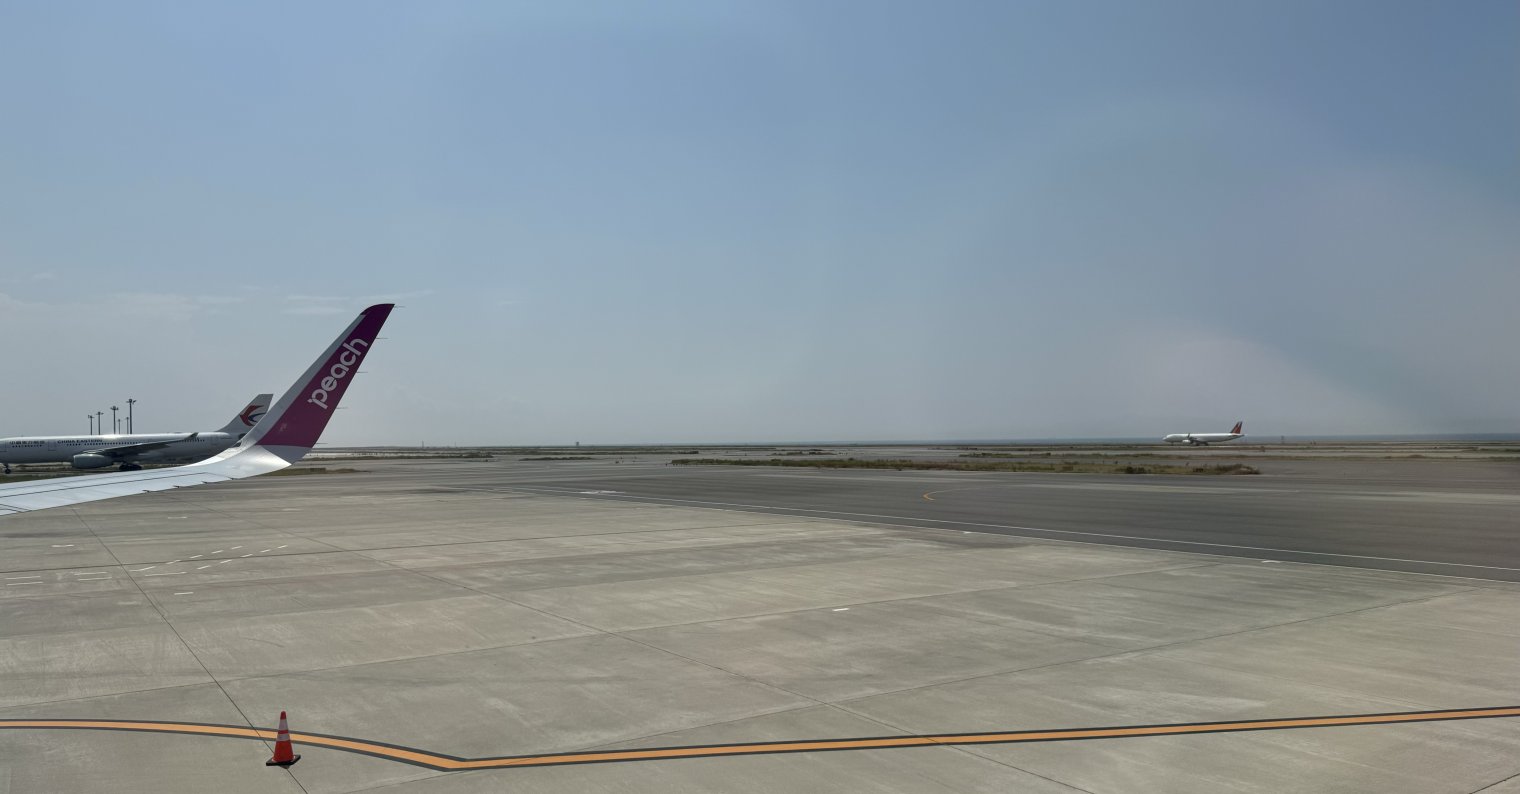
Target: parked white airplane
x=287, y=432
x=1205, y=439
x=132, y=450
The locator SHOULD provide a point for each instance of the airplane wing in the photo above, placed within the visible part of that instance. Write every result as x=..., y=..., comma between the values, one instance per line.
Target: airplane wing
x=288, y=432
x=129, y=450
x=62, y=491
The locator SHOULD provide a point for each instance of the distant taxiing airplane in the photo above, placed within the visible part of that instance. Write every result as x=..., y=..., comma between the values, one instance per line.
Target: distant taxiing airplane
x=130, y=451
x=282, y=437
x=1205, y=439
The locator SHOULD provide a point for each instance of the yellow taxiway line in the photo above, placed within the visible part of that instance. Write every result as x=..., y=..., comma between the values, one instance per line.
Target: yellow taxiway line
x=448, y=763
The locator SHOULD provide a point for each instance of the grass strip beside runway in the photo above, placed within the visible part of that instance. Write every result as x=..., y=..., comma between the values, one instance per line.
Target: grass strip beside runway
x=905, y=464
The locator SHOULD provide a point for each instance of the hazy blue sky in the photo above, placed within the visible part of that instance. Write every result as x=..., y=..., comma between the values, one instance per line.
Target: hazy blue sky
x=699, y=221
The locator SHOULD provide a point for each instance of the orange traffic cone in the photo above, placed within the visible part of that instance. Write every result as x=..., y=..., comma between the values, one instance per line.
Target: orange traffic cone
x=284, y=755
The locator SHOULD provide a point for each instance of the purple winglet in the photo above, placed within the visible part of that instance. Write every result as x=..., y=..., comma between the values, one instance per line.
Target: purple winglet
x=299, y=417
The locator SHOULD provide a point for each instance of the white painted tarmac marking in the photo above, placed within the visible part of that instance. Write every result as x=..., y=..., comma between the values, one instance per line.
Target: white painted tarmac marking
x=235, y=548
x=94, y=579
x=1033, y=529
x=90, y=573
x=171, y=562
x=171, y=573
x=266, y=551
x=187, y=592
x=18, y=584
x=218, y=551
x=224, y=562
x=140, y=570
x=62, y=545
x=842, y=609
x=28, y=576
x=203, y=567
x=241, y=556
x=198, y=556
x=281, y=547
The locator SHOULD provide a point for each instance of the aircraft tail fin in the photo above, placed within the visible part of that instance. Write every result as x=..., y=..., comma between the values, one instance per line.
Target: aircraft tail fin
x=249, y=416
x=1236, y=429
x=296, y=421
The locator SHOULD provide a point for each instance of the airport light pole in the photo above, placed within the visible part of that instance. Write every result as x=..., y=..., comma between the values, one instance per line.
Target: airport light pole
x=91, y=417
x=100, y=426
x=115, y=428
x=129, y=415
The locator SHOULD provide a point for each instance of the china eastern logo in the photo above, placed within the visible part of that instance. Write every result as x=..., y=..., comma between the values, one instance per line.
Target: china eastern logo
x=251, y=415
x=347, y=360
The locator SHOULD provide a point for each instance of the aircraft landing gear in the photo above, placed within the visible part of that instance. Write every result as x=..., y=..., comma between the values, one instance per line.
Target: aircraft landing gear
x=131, y=467
x=7, y=468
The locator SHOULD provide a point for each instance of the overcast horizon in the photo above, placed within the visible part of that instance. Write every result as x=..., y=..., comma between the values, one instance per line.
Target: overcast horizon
x=767, y=221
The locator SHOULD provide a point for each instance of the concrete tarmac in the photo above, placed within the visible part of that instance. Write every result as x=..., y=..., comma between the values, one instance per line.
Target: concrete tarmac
x=479, y=609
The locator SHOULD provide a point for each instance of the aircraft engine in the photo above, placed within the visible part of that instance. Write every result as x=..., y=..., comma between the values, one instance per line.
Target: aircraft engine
x=91, y=460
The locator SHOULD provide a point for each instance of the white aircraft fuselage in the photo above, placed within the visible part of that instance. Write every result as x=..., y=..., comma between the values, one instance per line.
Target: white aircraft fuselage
x=1204, y=439
x=130, y=450
x=91, y=450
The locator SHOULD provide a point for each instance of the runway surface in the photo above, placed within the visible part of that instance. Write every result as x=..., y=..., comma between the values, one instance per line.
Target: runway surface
x=1438, y=517
x=624, y=626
